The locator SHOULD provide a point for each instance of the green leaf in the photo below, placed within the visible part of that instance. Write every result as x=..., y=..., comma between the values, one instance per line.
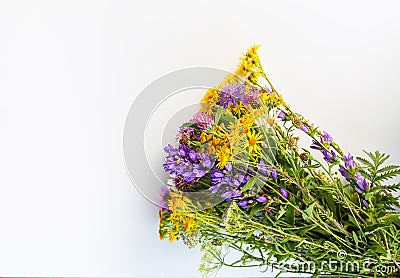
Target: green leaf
x=257, y=207
x=248, y=184
x=308, y=212
x=365, y=162
x=281, y=212
x=303, y=231
x=218, y=114
x=192, y=125
x=355, y=237
x=373, y=228
x=249, y=234
x=290, y=212
x=377, y=249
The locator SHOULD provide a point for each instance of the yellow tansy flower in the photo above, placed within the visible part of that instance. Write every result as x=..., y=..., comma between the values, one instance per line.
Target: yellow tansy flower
x=211, y=96
x=254, y=141
x=223, y=155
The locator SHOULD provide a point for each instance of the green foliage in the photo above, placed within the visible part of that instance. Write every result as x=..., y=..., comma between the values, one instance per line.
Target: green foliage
x=323, y=218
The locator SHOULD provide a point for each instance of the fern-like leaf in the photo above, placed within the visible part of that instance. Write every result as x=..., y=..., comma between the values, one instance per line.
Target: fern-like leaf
x=365, y=162
x=388, y=168
x=388, y=175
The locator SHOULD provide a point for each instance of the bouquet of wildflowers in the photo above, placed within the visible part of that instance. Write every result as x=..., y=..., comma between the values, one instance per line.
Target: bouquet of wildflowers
x=241, y=179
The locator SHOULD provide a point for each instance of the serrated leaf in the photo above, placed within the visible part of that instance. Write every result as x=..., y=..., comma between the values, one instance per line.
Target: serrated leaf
x=388, y=175
x=388, y=168
x=365, y=162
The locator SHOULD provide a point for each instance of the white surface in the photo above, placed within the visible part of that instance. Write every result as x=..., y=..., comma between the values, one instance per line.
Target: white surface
x=69, y=71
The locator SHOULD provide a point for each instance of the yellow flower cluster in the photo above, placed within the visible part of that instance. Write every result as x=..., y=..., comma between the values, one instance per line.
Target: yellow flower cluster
x=247, y=120
x=238, y=109
x=273, y=98
x=179, y=220
x=220, y=142
x=211, y=96
x=248, y=64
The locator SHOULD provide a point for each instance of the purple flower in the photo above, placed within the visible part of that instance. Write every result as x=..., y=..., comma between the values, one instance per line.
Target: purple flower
x=251, y=98
x=262, y=168
x=162, y=203
x=326, y=138
x=344, y=173
x=186, y=162
x=365, y=203
x=284, y=193
x=362, y=183
x=316, y=145
x=266, y=171
x=230, y=94
x=202, y=168
x=198, y=170
x=262, y=199
x=329, y=156
x=281, y=115
x=227, y=195
x=349, y=162
x=215, y=188
x=274, y=175
x=216, y=175
x=183, y=150
x=192, y=155
x=188, y=175
x=305, y=128
x=175, y=162
x=243, y=203
x=203, y=121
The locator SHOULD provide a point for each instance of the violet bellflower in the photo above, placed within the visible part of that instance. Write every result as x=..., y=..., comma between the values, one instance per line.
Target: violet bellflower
x=281, y=115
x=229, y=194
x=344, y=173
x=175, y=161
x=329, y=156
x=198, y=169
x=349, y=162
x=266, y=171
x=243, y=203
x=262, y=199
x=227, y=181
x=284, y=193
x=316, y=145
x=326, y=138
x=186, y=162
x=305, y=128
x=362, y=183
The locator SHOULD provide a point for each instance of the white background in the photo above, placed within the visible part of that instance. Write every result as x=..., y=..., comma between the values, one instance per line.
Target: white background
x=69, y=71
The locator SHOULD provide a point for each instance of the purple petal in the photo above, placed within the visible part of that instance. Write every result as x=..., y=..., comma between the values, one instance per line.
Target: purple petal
x=284, y=193
x=262, y=199
x=243, y=203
